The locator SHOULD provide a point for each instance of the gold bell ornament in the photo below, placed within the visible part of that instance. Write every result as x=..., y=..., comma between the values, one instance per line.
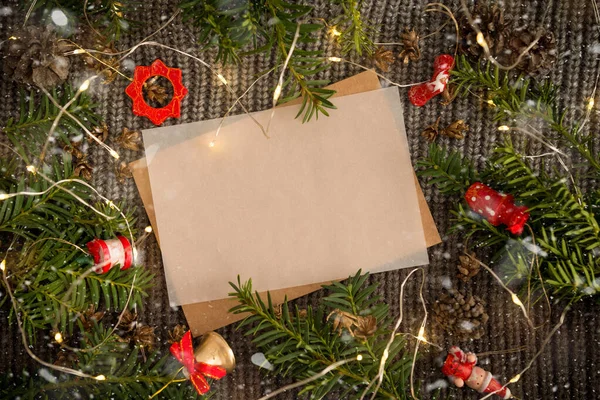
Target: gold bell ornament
x=214, y=350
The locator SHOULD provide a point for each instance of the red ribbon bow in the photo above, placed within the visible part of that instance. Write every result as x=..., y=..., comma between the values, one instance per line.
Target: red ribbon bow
x=184, y=352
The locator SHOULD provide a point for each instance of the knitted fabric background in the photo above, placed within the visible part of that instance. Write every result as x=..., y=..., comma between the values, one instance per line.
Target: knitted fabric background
x=569, y=367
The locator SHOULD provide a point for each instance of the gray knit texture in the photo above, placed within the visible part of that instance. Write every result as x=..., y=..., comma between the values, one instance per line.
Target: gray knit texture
x=569, y=367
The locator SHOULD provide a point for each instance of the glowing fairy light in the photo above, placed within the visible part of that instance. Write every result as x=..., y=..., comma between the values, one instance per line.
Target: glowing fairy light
x=421, y=335
x=31, y=169
x=3, y=196
x=276, y=93
x=212, y=144
x=222, y=79
x=590, y=103
x=12, y=38
x=335, y=59
x=113, y=153
x=148, y=229
x=481, y=39
x=334, y=32
x=491, y=103
x=58, y=338
x=100, y=378
x=359, y=357
x=516, y=300
x=515, y=378
x=504, y=128
x=3, y=265
x=84, y=86
x=78, y=51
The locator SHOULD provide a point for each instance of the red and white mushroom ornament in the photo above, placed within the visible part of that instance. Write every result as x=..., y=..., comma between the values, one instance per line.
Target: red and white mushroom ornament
x=497, y=208
x=108, y=253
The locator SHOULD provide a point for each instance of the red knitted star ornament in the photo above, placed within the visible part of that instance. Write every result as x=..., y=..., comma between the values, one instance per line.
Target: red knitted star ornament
x=140, y=107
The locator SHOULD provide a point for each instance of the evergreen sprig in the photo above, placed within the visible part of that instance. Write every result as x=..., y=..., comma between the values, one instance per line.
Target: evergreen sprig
x=448, y=170
x=521, y=98
x=28, y=133
x=127, y=374
x=302, y=343
x=356, y=34
x=239, y=28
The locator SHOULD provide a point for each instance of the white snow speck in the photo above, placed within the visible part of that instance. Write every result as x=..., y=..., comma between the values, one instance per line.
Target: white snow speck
x=59, y=17
x=5, y=11
x=44, y=373
x=261, y=361
x=439, y=384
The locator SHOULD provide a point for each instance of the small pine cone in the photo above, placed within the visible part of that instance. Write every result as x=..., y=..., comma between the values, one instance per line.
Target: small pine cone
x=469, y=267
x=36, y=56
x=494, y=27
x=432, y=131
x=411, y=50
x=466, y=319
x=540, y=58
x=455, y=130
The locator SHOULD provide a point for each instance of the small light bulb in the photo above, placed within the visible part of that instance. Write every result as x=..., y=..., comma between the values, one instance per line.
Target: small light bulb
x=222, y=79
x=3, y=265
x=276, y=93
x=515, y=378
x=3, y=196
x=421, y=335
x=114, y=154
x=335, y=59
x=148, y=229
x=58, y=337
x=503, y=128
x=516, y=300
x=100, y=378
x=359, y=357
x=491, y=103
x=78, y=51
x=480, y=39
x=31, y=169
x=334, y=32
x=212, y=144
x=84, y=86
x=590, y=103
x=12, y=38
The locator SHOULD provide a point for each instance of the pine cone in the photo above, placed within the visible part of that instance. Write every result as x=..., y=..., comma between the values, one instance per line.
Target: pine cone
x=144, y=336
x=468, y=267
x=128, y=321
x=365, y=327
x=540, y=58
x=460, y=315
x=432, y=131
x=490, y=20
x=130, y=139
x=383, y=58
x=411, y=51
x=123, y=172
x=455, y=130
x=177, y=333
x=35, y=56
x=90, y=317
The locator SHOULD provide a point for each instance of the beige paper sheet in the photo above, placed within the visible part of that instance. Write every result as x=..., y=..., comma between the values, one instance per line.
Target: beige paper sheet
x=313, y=203
x=211, y=315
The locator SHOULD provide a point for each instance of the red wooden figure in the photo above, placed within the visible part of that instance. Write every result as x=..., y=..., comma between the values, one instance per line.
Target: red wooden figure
x=497, y=208
x=108, y=253
x=460, y=369
x=184, y=352
x=135, y=91
x=419, y=95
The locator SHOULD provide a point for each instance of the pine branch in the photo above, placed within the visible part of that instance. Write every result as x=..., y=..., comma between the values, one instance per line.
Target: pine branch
x=449, y=171
x=37, y=114
x=522, y=98
x=302, y=343
x=355, y=33
x=128, y=376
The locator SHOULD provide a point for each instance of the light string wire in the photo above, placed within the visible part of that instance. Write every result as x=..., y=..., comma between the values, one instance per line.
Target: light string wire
x=279, y=87
x=312, y=378
x=13, y=300
x=384, y=356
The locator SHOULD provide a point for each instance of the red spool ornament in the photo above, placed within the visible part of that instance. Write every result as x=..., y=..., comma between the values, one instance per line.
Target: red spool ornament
x=184, y=352
x=419, y=95
x=460, y=369
x=497, y=208
x=135, y=91
x=108, y=253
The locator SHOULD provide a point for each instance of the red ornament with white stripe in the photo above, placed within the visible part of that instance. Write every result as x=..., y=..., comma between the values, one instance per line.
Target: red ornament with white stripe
x=419, y=95
x=108, y=253
x=497, y=208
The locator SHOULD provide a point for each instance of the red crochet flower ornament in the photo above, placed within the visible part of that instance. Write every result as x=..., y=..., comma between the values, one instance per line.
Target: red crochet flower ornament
x=140, y=107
